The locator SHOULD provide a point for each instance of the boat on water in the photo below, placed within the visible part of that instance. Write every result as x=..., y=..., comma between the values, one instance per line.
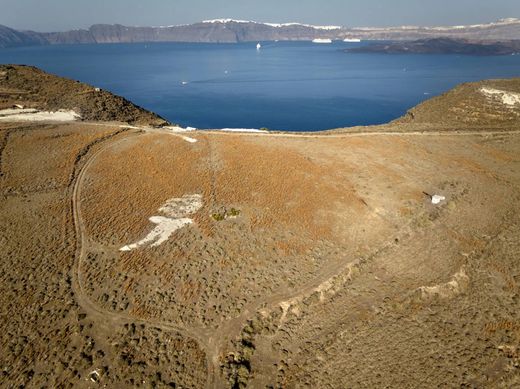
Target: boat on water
x=258, y=46
x=321, y=40
x=352, y=40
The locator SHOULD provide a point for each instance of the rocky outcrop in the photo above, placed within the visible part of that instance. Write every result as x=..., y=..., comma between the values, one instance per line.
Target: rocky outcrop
x=33, y=88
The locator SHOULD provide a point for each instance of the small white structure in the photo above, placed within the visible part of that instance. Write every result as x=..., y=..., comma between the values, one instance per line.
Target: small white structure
x=94, y=375
x=321, y=40
x=437, y=199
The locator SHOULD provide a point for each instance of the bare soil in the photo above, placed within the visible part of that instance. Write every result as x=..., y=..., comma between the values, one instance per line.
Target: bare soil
x=315, y=261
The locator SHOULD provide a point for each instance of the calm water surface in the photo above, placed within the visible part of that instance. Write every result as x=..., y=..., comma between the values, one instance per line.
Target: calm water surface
x=297, y=86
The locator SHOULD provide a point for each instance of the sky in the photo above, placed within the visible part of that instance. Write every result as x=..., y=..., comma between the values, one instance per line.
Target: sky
x=60, y=15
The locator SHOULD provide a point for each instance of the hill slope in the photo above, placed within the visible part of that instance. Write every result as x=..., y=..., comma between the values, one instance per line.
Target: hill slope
x=141, y=256
x=34, y=88
x=485, y=103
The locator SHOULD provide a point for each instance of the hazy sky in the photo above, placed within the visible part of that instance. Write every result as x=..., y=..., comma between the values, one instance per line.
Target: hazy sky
x=57, y=15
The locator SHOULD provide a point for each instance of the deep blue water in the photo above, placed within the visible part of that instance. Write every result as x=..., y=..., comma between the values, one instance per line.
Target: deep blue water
x=286, y=85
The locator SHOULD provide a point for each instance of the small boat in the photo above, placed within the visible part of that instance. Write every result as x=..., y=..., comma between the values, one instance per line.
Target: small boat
x=352, y=40
x=320, y=40
x=258, y=46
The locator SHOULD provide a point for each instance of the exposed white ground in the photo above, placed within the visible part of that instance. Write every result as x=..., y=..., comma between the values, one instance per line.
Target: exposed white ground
x=179, y=129
x=188, y=139
x=160, y=234
x=176, y=211
x=180, y=207
x=33, y=115
x=508, y=98
x=455, y=286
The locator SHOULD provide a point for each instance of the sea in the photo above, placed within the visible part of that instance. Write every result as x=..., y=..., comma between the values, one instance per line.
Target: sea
x=293, y=86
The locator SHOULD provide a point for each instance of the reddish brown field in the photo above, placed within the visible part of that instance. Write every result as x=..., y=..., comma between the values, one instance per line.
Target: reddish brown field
x=317, y=216
x=271, y=260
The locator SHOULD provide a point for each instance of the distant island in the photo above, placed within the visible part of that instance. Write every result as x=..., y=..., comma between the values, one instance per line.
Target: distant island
x=234, y=31
x=442, y=46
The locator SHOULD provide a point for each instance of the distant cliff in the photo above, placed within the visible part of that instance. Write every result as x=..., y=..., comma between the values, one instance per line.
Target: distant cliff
x=13, y=38
x=232, y=31
x=443, y=46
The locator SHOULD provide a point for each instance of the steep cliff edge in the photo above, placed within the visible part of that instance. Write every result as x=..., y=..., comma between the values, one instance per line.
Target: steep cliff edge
x=13, y=38
x=232, y=31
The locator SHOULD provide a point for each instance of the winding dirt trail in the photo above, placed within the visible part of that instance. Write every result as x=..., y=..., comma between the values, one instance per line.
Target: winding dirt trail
x=213, y=342
x=199, y=335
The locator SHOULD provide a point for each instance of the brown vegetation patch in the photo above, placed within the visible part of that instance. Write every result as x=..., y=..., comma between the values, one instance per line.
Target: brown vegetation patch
x=49, y=152
x=135, y=178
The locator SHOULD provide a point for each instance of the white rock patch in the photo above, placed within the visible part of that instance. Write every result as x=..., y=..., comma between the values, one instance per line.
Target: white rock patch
x=508, y=98
x=189, y=140
x=160, y=234
x=176, y=211
x=177, y=129
x=180, y=207
x=457, y=285
x=33, y=115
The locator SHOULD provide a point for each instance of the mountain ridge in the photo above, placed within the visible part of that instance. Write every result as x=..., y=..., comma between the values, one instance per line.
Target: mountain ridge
x=234, y=31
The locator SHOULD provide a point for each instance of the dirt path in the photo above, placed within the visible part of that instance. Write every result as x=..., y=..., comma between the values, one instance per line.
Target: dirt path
x=488, y=131
x=215, y=342
x=81, y=250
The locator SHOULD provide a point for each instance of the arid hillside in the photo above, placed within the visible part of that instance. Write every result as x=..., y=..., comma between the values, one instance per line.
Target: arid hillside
x=489, y=103
x=137, y=256
x=33, y=88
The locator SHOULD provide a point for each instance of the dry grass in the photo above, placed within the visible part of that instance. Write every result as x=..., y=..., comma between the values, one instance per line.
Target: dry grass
x=306, y=209
x=280, y=188
x=47, y=339
x=141, y=175
x=57, y=146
